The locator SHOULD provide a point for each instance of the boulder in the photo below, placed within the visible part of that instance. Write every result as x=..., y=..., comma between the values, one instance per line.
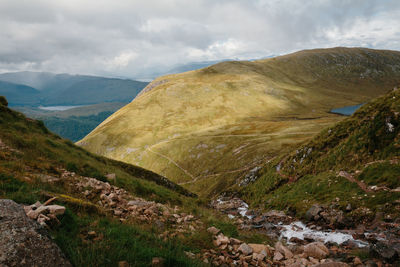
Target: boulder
x=332, y=264
x=283, y=250
x=316, y=250
x=212, y=230
x=384, y=251
x=278, y=256
x=56, y=209
x=157, y=262
x=23, y=241
x=222, y=240
x=258, y=248
x=245, y=249
x=313, y=212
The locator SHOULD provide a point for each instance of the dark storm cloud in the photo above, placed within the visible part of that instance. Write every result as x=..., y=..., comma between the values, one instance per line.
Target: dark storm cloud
x=131, y=37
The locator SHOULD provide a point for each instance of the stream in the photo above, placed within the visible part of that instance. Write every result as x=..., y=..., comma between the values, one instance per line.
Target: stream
x=286, y=227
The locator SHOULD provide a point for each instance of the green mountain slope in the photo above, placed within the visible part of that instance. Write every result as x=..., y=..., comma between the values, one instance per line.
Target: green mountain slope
x=19, y=94
x=354, y=162
x=207, y=128
x=36, y=165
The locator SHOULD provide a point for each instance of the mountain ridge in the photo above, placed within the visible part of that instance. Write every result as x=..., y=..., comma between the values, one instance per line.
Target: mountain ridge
x=204, y=128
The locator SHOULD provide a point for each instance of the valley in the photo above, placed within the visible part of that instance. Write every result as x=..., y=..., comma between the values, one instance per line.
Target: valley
x=49, y=97
x=240, y=163
x=206, y=129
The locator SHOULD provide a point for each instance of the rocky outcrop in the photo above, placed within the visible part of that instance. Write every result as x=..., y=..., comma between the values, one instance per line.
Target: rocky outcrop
x=23, y=242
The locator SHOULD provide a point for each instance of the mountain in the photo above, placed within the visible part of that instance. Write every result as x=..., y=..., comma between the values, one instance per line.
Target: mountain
x=19, y=94
x=66, y=89
x=95, y=91
x=354, y=163
x=206, y=129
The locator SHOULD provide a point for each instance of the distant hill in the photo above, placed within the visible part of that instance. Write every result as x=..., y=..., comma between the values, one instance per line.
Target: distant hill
x=75, y=123
x=207, y=128
x=66, y=89
x=19, y=94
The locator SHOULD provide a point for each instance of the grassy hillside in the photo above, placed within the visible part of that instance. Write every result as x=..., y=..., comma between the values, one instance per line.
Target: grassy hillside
x=354, y=162
x=31, y=156
x=100, y=227
x=205, y=129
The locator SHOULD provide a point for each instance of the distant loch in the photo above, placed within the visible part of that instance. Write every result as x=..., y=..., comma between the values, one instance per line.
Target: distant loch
x=346, y=111
x=59, y=108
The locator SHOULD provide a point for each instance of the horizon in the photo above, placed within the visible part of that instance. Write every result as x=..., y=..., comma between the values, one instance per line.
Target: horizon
x=142, y=40
x=211, y=62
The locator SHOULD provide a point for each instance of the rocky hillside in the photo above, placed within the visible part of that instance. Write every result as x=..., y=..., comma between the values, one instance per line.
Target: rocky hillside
x=206, y=129
x=352, y=166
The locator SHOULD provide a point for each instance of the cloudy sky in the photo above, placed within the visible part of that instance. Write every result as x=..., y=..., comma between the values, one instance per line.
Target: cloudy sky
x=133, y=37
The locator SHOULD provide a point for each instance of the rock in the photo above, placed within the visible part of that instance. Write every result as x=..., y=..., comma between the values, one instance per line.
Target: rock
x=212, y=230
x=278, y=256
x=357, y=261
x=157, y=262
x=23, y=241
x=190, y=254
x=348, y=207
x=245, y=249
x=297, y=240
x=56, y=209
x=258, y=248
x=111, y=177
x=283, y=250
x=316, y=250
x=313, y=212
x=384, y=251
x=223, y=239
x=123, y=264
x=332, y=264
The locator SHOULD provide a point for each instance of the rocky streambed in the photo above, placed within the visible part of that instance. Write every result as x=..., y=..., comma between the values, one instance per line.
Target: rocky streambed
x=379, y=239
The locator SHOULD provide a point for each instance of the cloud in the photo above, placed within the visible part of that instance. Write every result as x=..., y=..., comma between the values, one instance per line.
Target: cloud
x=134, y=38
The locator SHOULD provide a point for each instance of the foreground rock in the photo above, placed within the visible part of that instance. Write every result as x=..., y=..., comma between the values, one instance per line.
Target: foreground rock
x=44, y=214
x=23, y=242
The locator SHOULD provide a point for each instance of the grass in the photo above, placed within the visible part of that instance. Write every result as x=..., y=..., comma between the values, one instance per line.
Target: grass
x=118, y=242
x=28, y=150
x=257, y=110
x=362, y=144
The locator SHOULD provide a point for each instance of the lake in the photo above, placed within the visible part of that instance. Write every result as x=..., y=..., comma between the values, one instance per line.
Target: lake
x=347, y=111
x=59, y=108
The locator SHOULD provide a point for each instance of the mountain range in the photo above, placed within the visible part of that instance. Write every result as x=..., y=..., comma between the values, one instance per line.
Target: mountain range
x=48, y=89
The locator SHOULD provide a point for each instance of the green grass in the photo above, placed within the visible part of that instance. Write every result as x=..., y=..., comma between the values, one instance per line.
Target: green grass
x=350, y=145
x=381, y=174
x=119, y=242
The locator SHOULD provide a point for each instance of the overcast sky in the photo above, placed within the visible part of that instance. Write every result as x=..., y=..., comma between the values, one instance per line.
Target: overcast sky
x=130, y=37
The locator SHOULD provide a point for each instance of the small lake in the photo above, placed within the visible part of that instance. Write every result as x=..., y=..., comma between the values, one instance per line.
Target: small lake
x=58, y=108
x=347, y=111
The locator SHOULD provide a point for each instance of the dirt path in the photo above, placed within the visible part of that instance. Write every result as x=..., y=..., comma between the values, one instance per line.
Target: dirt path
x=351, y=179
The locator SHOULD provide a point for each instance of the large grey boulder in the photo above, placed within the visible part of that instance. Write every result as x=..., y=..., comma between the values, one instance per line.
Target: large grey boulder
x=23, y=242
